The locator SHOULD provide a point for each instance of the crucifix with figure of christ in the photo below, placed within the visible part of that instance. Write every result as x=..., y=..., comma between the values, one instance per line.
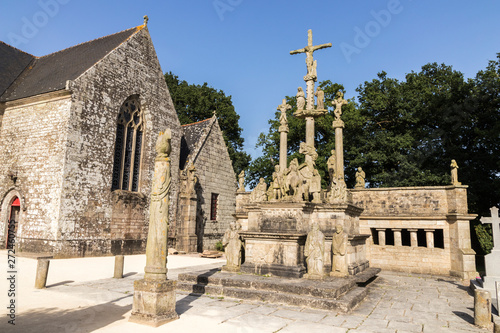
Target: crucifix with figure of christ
x=310, y=113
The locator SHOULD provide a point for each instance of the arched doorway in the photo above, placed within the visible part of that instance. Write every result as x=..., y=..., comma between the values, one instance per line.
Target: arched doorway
x=15, y=209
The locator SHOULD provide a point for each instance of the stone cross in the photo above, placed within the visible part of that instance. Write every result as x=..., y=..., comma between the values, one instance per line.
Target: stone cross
x=309, y=50
x=495, y=226
x=283, y=134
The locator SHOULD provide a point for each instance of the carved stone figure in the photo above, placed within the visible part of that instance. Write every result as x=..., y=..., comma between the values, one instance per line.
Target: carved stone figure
x=313, y=251
x=293, y=180
x=283, y=121
x=301, y=100
x=241, y=181
x=332, y=165
x=259, y=193
x=232, y=247
x=276, y=186
x=454, y=173
x=320, y=94
x=338, y=103
x=192, y=179
x=309, y=152
x=339, y=250
x=315, y=187
x=360, y=178
x=156, y=248
x=338, y=193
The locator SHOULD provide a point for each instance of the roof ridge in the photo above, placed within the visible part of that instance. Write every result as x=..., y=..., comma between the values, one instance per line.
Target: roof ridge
x=138, y=28
x=197, y=122
x=15, y=48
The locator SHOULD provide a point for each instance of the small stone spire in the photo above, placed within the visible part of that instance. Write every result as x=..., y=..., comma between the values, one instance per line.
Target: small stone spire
x=214, y=114
x=146, y=19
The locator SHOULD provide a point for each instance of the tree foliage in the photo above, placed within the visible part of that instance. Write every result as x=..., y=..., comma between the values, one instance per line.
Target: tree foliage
x=198, y=102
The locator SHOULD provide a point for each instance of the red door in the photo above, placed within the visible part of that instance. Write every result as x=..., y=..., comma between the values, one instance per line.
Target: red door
x=15, y=208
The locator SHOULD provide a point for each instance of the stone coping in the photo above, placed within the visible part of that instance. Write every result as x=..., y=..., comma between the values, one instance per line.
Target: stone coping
x=272, y=235
x=445, y=187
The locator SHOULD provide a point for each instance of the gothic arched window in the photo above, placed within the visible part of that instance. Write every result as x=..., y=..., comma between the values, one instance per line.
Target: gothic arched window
x=128, y=146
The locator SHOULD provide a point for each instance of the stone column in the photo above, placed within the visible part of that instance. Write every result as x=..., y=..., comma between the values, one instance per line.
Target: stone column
x=338, y=125
x=397, y=237
x=429, y=237
x=187, y=240
x=119, y=262
x=310, y=131
x=482, y=308
x=154, y=296
x=283, y=147
x=42, y=270
x=381, y=236
x=413, y=237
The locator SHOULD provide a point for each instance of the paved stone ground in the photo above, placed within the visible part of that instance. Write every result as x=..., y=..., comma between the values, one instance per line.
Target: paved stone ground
x=397, y=303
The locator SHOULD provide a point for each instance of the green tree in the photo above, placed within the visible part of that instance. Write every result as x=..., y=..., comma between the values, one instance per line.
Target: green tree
x=197, y=102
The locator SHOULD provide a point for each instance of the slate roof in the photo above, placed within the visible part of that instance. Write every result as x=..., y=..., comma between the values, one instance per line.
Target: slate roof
x=23, y=75
x=190, y=141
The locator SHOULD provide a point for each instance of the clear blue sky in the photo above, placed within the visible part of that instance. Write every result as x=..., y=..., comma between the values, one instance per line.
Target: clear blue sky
x=242, y=46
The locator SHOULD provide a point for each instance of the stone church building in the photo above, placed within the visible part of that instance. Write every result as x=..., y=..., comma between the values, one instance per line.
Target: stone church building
x=78, y=129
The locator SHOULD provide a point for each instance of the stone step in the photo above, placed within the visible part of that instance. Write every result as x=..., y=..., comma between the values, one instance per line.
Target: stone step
x=345, y=304
x=329, y=288
x=336, y=294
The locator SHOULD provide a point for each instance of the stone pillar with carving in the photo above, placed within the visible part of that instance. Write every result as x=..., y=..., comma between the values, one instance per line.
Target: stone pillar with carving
x=187, y=240
x=154, y=296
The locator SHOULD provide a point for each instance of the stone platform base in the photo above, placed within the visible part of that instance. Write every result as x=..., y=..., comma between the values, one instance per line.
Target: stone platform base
x=335, y=294
x=274, y=270
x=154, y=302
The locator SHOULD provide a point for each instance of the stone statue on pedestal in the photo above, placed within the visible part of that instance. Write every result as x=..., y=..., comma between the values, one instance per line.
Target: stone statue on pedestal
x=301, y=100
x=454, y=173
x=232, y=248
x=320, y=94
x=360, y=178
x=154, y=296
x=339, y=250
x=241, y=181
x=191, y=181
x=338, y=103
x=313, y=251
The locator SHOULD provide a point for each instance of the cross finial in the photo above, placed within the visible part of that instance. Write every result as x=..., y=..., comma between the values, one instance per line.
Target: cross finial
x=283, y=107
x=146, y=19
x=214, y=114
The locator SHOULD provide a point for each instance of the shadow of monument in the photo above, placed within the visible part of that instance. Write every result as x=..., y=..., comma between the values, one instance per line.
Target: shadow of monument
x=465, y=316
x=87, y=319
x=184, y=304
x=458, y=285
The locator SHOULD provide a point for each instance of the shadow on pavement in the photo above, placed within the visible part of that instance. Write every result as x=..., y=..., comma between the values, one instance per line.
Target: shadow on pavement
x=59, y=283
x=86, y=319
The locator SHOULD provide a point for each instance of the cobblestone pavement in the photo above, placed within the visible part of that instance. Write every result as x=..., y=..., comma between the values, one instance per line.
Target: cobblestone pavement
x=396, y=303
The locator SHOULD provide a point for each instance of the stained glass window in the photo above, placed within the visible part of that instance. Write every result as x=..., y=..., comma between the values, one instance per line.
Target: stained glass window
x=128, y=146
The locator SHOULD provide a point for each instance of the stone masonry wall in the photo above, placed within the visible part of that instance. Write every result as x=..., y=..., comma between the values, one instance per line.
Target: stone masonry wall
x=438, y=211
x=32, y=138
x=95, y=220
x=215, y=173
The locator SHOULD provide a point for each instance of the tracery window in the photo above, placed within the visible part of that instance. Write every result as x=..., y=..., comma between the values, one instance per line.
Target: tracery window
x=128, y=146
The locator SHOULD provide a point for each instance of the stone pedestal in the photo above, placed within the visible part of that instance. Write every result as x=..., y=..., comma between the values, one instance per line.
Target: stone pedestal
x=492, y=267
x=154, y=302
x=187, y=240
x=277, y=231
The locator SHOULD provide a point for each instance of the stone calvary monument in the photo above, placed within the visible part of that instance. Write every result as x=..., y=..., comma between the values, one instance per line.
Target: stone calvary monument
x=302, y=245
x=275, y=227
